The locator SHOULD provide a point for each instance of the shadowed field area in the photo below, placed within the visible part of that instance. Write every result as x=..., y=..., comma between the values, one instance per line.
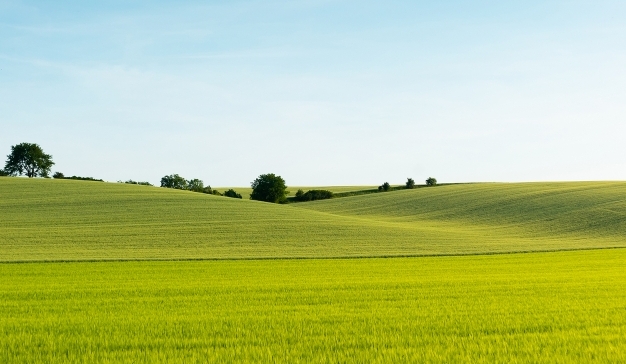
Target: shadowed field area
x=77, y=220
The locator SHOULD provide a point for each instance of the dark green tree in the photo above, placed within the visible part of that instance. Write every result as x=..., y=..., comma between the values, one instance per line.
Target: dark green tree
x=269, y=188
x=3, y=173
x=58, y=175
x=195, y=185
x=384, y=187
x=410, y=183
x=174, y=181
x=28, y=159
x=431, y=181
x=232, y=193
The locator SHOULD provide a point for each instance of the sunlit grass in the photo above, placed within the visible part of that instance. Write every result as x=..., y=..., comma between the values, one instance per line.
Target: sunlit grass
x=540, y=307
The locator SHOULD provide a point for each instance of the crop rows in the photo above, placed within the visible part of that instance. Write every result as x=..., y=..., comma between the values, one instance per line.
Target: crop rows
x=75, y=220
x=540, y=307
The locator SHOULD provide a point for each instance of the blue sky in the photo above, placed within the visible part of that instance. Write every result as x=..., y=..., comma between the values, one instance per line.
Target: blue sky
x=320, y=92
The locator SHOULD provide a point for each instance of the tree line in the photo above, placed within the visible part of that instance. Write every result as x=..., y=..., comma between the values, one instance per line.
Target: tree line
x=195, y=185
x=30, y=160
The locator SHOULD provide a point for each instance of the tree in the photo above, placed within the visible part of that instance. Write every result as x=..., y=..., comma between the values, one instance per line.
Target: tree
x=3, y=173
x=431, y=181
x=410, y=184
x=58, y=175
x=384, y=187
x=195, y=185
x=28, y=159
x=232, y=193
x=269, y=188
x=174, y=181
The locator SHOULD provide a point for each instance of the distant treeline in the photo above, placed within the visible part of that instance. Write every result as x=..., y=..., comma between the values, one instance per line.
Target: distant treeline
x=131, y=182
x=59, y=175
x=313, y=195
x=195, y=185
x=30, y=160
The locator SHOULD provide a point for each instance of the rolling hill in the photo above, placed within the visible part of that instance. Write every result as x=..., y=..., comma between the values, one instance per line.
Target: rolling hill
x=56, y=220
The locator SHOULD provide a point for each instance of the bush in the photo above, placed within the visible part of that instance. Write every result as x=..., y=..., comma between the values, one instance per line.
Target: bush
x=131, y=182
x=384, y=187
x=59, y=175
x=232, y=193
x=410, y=183
x=431, y=181
x=313, y=195
x=3, y=173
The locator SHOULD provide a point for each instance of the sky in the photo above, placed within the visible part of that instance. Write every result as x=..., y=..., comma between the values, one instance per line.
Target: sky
x=319, y=92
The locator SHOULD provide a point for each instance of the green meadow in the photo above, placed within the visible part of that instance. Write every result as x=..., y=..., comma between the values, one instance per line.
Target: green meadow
x=555, y=307
x=52, y=220
x=94, y=272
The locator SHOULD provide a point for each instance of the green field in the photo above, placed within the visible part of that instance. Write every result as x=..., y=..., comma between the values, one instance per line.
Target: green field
x=103, y=272
x=52, y=220
x=537, y=307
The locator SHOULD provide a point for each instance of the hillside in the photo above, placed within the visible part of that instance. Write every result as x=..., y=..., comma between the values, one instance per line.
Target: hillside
x=77, y=220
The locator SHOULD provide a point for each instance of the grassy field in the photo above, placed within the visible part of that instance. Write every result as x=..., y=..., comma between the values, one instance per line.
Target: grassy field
x=76, y=220
x=539, y=307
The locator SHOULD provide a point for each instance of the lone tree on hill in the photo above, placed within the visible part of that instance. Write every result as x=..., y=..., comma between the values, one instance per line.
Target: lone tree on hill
x=431, y=181
x=28, y=159
x=269, y=188
x=410, y=184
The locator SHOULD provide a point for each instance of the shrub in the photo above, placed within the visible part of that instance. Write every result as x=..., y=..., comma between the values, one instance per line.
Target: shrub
x=232, y=193
x=313, y=195
x=384, y=187
x=3, y=173
x=58, y=175
x=131, y=182
x=431, y=181
x=84, y=178
x=410, y=183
